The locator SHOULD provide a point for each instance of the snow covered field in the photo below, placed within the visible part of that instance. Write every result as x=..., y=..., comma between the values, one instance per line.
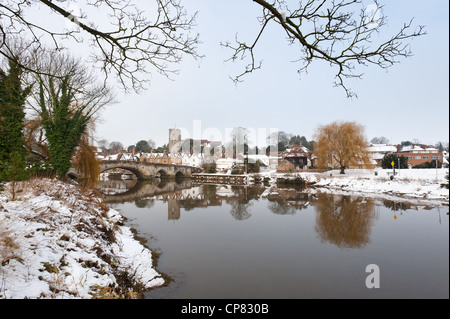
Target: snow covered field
x=420, y=184
x=57, y=241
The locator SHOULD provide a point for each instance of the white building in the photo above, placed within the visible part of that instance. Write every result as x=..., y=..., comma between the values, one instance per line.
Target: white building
x=195, y=159
x=378, y=151
x=225, y=164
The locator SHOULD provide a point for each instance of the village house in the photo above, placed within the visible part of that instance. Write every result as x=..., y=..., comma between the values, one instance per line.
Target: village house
x=262, y=159
x=419, y=154
x=129, y=157
x=295, y=158
x=195, y=159
x=120, y=156
x=224, y=165
x=156, y=158
x=173, y=158
x=274, y=157
x=379, y=151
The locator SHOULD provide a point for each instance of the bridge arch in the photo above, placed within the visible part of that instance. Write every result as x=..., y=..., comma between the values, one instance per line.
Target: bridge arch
x=179, y=174
x=73, y=175
x=162, y=173
x=137, y=172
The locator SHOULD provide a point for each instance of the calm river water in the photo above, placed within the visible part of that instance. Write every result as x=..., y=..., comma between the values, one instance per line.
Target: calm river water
x=219, y=241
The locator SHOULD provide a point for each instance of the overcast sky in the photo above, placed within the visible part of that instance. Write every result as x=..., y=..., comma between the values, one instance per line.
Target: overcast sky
x=409, y=101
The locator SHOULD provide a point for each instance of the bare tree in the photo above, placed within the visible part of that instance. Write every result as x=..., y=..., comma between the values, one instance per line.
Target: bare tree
x=129, y=43
x=115, y=146
x=102, y=144
x=339, y=32
x=151, y=143
x=88, y=95
x=380, y=140
x=52, y=68
x=132, y=43
x=66, y=99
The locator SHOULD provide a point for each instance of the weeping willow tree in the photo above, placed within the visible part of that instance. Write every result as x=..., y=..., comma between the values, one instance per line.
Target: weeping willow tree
x=68, y=99
x=86, y=162
x=343, y=145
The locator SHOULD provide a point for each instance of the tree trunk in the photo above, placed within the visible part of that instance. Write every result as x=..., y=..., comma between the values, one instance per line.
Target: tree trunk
x=13, y=190
x=342, y=170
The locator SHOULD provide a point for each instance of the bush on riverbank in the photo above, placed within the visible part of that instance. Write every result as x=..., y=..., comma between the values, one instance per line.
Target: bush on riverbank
x=294, y=181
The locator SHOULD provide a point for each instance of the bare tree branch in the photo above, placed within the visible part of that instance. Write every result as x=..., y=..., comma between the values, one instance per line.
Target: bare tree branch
x=132, y=43
x=340, y=32
x=130, y=46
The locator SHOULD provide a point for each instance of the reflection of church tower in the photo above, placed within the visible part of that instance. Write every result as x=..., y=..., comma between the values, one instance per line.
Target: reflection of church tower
x=174, y=140
x=173, y=209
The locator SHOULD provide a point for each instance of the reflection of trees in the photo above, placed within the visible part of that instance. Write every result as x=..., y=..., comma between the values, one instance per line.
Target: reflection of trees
x=144, y=202
x=343, y=220
x=239, y=210
x=287, y=201
x=210, y=193
x=395, y=206
x=247, y=193
x=404, y=206
x=241, y=203
x=280, y=206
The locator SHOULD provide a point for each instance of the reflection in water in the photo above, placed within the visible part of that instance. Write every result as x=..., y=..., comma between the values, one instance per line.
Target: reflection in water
x=183, y=195
x=343, y=220
x=144, y=202
x=287, y=201
x=115, y=187
x=241, y=200
x=270, y=242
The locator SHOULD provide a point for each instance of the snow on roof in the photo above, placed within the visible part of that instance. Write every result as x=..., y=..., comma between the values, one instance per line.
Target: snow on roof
x=418, y=148
x=111, y=157
x=297, y=149
x=382, y=148
x=259, y=157
x=409, y=148
x=377, y=156
x=229, y=160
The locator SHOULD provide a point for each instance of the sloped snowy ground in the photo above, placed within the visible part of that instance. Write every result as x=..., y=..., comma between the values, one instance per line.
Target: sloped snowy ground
x=58, y=241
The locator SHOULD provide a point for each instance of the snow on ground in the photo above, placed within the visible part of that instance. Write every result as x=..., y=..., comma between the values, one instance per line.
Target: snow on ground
x=423, y=184
x=58, y=241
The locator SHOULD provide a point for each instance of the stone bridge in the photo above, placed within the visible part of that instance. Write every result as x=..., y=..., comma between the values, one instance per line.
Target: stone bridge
x=143, y=170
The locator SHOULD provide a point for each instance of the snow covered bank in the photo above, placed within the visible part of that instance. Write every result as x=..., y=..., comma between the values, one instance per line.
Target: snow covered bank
x=58, y=241
x=411, y=183
x=414, y=183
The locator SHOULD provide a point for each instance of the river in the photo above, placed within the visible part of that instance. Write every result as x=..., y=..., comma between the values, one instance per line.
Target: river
x=219, y=241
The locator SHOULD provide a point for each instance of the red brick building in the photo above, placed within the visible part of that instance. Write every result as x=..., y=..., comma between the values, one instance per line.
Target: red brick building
x=419, y=154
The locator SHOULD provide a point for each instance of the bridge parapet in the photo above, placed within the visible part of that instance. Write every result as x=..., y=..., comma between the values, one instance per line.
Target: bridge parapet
x=144, y=170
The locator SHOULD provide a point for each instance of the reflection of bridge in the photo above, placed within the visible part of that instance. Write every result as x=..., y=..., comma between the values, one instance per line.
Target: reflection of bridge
x=143, y=170
x=147, y=189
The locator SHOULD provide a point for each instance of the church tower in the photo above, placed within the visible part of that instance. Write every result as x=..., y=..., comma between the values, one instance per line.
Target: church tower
x=174, y=140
